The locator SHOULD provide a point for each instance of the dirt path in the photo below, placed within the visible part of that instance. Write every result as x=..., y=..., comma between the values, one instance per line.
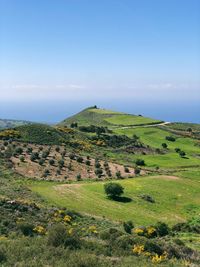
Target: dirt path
x=144, y=126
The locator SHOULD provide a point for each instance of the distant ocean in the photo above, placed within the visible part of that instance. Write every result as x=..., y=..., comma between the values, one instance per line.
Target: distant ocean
x=52, y=112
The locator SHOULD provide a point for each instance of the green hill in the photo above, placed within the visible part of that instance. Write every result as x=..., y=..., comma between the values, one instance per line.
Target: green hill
x=6, y=124
x=103, y=117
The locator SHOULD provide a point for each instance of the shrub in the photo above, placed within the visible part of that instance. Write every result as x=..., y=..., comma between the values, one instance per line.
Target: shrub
x=34, y=156
x=118, y=174
x=147, y=198
x=51, y=161
x=2, y=256
x=61, y=163
x=19, y=150
x=29, y=150
x=87, y=162
x=128, y=226
x=177, y=150
x=126, y=169
x=79, y=159
x=97, y=165
x=182, y=154
x=57, y=235
x=57, y=149
x=41, y=162
x=98, y=172
x=45, y=154
x=113, y=190
x=78, y=177
x=170, y=138
x=153, y=247
x=164, y=145
x=139, y=162
x=162, y=229
x=72, y=156
x=110, y=234
x=22, y=159
x=26, y=229
x=137, y=171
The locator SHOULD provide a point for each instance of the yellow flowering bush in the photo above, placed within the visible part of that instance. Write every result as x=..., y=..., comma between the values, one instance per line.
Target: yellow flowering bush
x=67, y=218
x=138, y=231
x=138, y=249
x=40, y=230
x=157, y=259
x=151, y=231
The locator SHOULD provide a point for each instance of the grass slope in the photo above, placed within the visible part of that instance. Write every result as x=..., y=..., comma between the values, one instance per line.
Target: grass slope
x=103, y=117
x=176, y=199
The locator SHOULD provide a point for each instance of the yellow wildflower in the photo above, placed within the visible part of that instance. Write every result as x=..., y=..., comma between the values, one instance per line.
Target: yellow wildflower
x=67, y=218
x=138, y=231
x=70, y=231
x=40, y=230
x=138, y=249
x=151, y=230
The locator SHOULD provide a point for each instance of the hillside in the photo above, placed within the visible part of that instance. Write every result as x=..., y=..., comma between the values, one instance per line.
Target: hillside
x=103, y=117
x=53, y=201
x=6, y=124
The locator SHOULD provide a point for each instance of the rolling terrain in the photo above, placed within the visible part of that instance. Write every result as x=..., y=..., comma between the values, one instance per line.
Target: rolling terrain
x=54, y=176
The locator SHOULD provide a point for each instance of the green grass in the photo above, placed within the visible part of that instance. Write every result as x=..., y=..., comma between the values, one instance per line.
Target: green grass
x=165, y=161
x=154, y=137
x=176, y=200
x=193, y=174
x=184, y=126
x=126, y=120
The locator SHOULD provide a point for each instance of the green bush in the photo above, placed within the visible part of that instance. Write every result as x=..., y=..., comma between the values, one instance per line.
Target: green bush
x=162, y=229
x=26, y=228
x=2, y=255
x=57, y=235
x=128, y=226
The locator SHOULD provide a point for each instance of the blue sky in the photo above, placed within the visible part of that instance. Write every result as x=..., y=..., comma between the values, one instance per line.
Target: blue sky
x=98, y=51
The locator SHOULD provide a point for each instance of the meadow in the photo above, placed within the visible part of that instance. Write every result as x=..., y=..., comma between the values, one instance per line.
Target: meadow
x=176, y=199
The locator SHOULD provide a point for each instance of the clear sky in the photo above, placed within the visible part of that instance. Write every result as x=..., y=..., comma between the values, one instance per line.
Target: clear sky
x=107, y=52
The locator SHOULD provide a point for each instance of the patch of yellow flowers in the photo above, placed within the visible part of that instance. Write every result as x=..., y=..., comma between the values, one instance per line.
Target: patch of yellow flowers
x=155, y=258
x=40, y=230
x=138, y=231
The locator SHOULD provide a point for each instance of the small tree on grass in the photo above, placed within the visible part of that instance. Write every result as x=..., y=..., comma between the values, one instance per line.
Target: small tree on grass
x=139, y=162
x=164, y=145
x=113, y=190
x=182, y=154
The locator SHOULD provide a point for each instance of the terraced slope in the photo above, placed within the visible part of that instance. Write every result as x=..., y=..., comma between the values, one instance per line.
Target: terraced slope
x=103, y=117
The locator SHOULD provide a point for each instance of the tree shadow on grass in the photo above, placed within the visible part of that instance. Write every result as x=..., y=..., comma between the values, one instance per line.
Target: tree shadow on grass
x=121, y=199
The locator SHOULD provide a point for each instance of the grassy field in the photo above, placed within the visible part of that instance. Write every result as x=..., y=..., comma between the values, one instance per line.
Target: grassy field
x=154, y=137
x=130, y=120
x=165, y=161
x=176, y=199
